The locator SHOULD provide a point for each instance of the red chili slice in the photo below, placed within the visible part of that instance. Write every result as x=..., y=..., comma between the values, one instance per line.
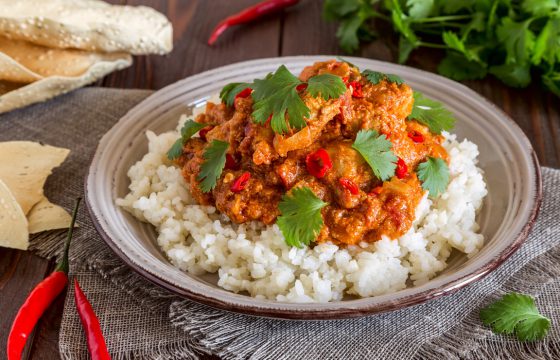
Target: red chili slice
x=231, y=163
x=268, y=120
x=318, y=163
x=301, y=87
x=349, y=185
x=402, y=169
x=240, y=183
x=202, y=133
x=356, y=90
x=244, y=93
x=416, y=136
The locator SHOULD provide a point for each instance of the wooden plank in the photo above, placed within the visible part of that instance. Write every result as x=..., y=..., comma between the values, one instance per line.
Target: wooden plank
x=20, y=271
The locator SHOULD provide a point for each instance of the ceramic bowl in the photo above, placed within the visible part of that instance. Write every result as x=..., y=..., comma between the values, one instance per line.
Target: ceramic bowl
x=510, y=168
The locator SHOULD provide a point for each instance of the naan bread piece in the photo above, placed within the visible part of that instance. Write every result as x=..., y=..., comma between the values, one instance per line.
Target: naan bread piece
x=92, y=25
x=13, y=224
x=47, y=216
x=24, y=168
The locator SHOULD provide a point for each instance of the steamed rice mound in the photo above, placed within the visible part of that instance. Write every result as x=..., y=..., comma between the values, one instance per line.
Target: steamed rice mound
x=253, y=257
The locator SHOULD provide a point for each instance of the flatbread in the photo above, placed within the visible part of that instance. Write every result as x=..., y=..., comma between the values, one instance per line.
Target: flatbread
x=24, y=168
x=47, y=216
x=13, y=224
x=91, y=25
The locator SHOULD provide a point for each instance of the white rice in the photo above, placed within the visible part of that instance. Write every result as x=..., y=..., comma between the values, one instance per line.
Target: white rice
x=254, y=258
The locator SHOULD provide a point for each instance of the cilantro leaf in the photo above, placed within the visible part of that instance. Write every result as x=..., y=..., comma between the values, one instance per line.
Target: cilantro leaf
x=213, y=165
x=419, y=9
x=547, y=46
x=405, y=48
x=457, y=67
x=334, y=9
x=540, y=7
x=300, y=220
x=276, y=95
x=230, y=91
x=552, y=81
x=401, y=22
x=375, y=77
x=452, y=40
x=432, y=114
x=434, y=175
x=517, y=39
x=512, y=74
x=516, y=313
x=376, y=151
x=329, y=86
x=347, y=34
x=187, y=131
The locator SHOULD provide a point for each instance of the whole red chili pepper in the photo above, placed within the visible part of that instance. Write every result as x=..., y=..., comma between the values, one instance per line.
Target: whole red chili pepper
x=202, y=133
x=402, y=169
x=318, y=163
x=416, y=136
x=90, y=323
x=39, y=299
x=349, y=185
x=249, y=14
x=241, y=182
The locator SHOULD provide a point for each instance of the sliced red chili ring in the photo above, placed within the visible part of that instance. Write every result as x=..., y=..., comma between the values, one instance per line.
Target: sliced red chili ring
x=240, y=183
x=402, y=169
x=349, y=185
x=356, y=90
x=231, y=163
x=202, y=133
x=416, y=136
x=244, y=93
x=318, y=163
x=301, y=87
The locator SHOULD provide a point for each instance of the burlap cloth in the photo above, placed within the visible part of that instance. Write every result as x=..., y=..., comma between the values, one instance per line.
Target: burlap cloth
x=140, y=320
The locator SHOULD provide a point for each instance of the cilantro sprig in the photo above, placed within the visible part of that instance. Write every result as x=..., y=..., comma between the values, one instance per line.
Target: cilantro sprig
x=375, y=77
x=434, y=174
x=515, y=41
x=187, y=131
x=327, y=86
x=213, y=165
x=516, y=314
x=230, y=91
x=432, y=114
x=300, y=220
x=376, y=150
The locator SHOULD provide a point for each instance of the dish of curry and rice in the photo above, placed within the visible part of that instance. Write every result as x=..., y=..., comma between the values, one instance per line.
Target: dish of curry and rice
x=338, y=182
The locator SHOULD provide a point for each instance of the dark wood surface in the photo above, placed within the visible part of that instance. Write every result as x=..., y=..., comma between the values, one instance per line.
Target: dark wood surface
x=298, y=31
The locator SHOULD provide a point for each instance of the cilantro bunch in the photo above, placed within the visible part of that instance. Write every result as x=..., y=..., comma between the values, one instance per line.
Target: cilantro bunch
x=514, y=40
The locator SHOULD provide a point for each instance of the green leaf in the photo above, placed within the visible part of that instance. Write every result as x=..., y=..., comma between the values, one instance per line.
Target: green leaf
x=347, y=34
x=419, y=9
x=276, y=95
x=547, y=45
x=552, y=82
x=517, y=39
x=452, y=40
x=516, y=313
x=328, y=86
x=376, y=151
x=401, y=22
x=405, y=48
x=432, y=114
x=230, y=91
x=375, y=77
x=434, y=175
x=457, y=67
x=300, y=220
x=454, y=6
x=213, y=165
x=540, y=7
x=335, y=9
x=512, y=74
x=187, y=131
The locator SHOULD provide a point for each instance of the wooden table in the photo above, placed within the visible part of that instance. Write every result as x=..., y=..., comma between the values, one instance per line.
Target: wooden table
x=299, y=31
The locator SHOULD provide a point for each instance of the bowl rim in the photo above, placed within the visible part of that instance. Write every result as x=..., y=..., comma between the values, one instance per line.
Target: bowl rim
x=447, y=288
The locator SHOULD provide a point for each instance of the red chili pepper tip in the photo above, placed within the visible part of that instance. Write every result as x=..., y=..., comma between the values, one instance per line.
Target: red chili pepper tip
x=240, y=183
x=416, y=136
x=318, y=163
x=356, y=90
x=202, y=133
x=244, y=93
x=402, y=169
x=349, y=185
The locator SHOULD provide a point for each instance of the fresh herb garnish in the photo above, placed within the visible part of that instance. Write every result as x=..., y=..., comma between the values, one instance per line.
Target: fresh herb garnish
x=434, y=174
x=375, y=77
x=376, y=150
x=327, y=86
x=432, y=114
x=276, y=96
x=187, y=131
x=300, y=220
x=516, y=314
x=230, y=91
x=213, y=165
x=513, y=40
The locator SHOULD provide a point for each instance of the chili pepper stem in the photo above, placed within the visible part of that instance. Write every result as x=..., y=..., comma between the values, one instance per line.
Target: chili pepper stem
x=63, y=264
